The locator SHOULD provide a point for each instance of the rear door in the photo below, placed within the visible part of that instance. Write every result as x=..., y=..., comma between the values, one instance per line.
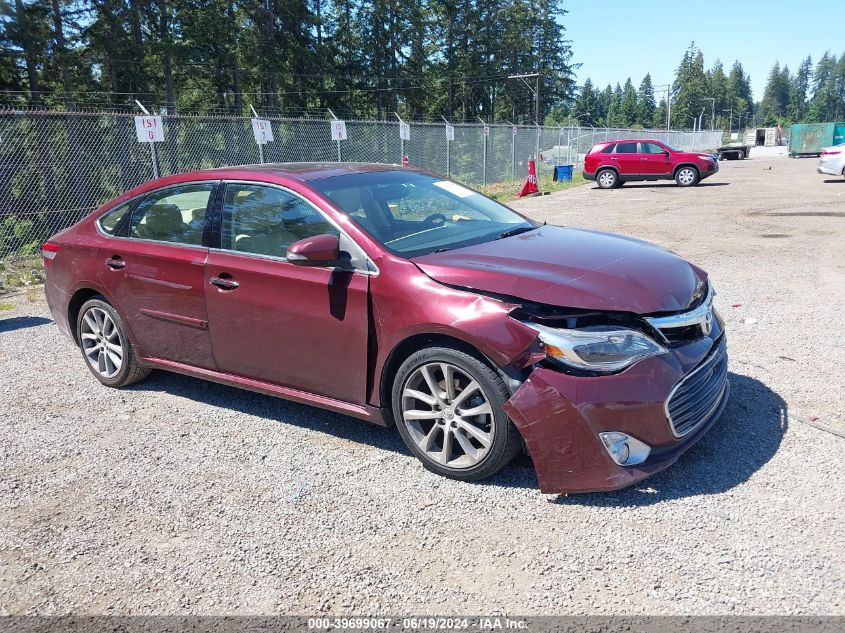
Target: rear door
x=627, y=158
x=304, y=327
x=654, y=160
x=153, y=271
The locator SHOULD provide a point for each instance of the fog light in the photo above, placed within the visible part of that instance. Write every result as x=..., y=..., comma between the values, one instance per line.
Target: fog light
x=624, y=449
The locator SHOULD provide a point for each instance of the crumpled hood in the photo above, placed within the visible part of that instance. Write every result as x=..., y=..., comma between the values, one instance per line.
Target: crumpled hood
x=572, y=268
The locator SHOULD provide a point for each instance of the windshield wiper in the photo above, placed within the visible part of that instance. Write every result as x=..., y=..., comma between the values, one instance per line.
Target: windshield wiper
x=516, y=231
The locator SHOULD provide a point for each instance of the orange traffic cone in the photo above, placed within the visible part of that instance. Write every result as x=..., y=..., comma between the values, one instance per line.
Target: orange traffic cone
x=530, y=186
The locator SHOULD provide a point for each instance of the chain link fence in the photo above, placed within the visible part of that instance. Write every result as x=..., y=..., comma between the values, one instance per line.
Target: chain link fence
x=56, y=167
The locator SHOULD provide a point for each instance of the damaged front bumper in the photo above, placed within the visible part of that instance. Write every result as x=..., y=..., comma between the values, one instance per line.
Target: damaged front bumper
x=560, y=417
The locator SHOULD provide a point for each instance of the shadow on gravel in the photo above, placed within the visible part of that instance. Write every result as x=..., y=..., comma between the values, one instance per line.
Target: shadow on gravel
x=271, y=408
x=660, y=185
x=744, y=439
x=21, y=323
x=838, y=181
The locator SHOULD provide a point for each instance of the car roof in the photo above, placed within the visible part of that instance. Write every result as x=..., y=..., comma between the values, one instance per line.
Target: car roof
x=298, y=171
x=630, y=140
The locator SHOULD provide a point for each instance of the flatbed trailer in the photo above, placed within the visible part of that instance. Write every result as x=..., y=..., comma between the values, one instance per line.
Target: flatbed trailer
x=733, y=152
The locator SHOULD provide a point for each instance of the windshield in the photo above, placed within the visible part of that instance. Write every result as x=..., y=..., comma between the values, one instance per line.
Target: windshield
x=672, y=147
x=414, y=214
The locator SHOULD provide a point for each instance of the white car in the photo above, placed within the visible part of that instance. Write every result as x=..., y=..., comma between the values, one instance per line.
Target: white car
x=832, y=160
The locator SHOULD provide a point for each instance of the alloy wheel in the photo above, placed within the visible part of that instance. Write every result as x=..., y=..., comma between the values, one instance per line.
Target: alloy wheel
x=606, y=179
x=447, y=415
x=101, y=342
x=686, y=176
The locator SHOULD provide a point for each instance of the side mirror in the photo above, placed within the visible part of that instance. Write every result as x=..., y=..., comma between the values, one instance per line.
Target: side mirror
x=320, y=250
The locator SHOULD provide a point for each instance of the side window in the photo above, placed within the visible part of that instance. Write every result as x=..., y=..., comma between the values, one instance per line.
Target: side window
x=626, y=148
x=112, y=220
x=651, y=148
x=175, y=214
x=266, y=220
x=608, y=149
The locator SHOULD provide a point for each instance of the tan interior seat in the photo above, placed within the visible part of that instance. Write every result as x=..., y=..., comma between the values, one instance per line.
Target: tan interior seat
x=274, y=241
x=161, y=222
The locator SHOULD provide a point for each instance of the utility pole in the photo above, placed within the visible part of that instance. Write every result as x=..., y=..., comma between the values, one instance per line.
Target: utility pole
x=712, y=101
x=668, y=88
x=535, y=91
x=730, y=119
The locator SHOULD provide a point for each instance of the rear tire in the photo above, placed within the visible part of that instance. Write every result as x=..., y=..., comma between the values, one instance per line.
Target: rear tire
x=686, y=176
x=607, y=179
x=448, y=408
x=105, y=345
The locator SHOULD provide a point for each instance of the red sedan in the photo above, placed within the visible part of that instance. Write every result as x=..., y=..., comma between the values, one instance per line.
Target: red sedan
x=398, y=297
x=613, y=163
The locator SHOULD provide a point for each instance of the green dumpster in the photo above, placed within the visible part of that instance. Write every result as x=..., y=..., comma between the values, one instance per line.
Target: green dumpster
x=809, y=138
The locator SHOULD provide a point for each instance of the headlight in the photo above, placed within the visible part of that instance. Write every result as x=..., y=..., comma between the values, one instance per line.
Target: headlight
x=596, y=348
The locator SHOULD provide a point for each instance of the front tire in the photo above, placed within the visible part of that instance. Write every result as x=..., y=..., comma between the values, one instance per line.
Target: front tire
x=448, y=408
x=686, y=176
x=105, y=345
x=607, y=179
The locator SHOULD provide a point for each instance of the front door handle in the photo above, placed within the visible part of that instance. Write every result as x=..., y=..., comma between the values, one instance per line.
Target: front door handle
x=116, y=262
x=613, y=158
x=223, y=283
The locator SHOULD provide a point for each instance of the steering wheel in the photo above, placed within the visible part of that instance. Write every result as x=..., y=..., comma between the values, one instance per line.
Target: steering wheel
x=433, y=219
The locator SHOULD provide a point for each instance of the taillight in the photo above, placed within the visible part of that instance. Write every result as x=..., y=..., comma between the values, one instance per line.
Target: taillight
x=49, y=251
x=830, y=153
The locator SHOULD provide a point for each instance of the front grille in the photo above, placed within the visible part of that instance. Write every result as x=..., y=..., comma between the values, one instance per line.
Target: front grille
x=697, y=396
x=679, y=335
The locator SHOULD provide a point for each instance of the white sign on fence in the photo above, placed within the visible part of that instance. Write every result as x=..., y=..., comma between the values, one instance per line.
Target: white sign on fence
x=149, y=129
x=450, y=132
x=262, y=131
x=338, y=130
x=405, y=131
x=513, y=130
x=486, y=131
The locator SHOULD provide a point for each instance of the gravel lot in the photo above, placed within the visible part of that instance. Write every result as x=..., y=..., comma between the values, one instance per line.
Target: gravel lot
x=179, y=496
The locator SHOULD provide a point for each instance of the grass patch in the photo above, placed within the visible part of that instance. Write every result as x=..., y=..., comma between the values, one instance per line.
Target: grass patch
x=20, y=272
x=505, y=192
x=5, y=307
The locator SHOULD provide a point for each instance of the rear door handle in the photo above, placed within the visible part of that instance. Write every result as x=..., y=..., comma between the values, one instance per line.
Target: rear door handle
x=116, y=262
x=223, y=283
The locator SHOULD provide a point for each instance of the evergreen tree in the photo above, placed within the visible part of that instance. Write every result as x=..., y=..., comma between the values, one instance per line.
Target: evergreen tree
x=738, y=99
x=587, y=106
x=776, y=95
x=628, y=105
x=645, y=103
x=689, y=88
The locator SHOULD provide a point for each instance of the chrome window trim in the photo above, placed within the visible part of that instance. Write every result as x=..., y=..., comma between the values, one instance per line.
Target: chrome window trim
x=134, y=200
x=721, y=349
x=258, y=183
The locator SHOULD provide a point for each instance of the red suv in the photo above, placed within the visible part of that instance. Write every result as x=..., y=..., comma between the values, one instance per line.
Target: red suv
x=399, y=297
x=613, y=163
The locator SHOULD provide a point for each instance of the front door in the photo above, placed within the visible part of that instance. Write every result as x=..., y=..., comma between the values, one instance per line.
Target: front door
x=296, y=326
x=654, y=160
x=154, y=274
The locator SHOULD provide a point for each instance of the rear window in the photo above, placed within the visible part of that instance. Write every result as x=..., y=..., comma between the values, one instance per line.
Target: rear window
x=626, y=148
x=601, y=148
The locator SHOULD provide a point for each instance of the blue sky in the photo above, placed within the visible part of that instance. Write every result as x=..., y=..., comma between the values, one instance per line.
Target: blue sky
x=615, y=39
